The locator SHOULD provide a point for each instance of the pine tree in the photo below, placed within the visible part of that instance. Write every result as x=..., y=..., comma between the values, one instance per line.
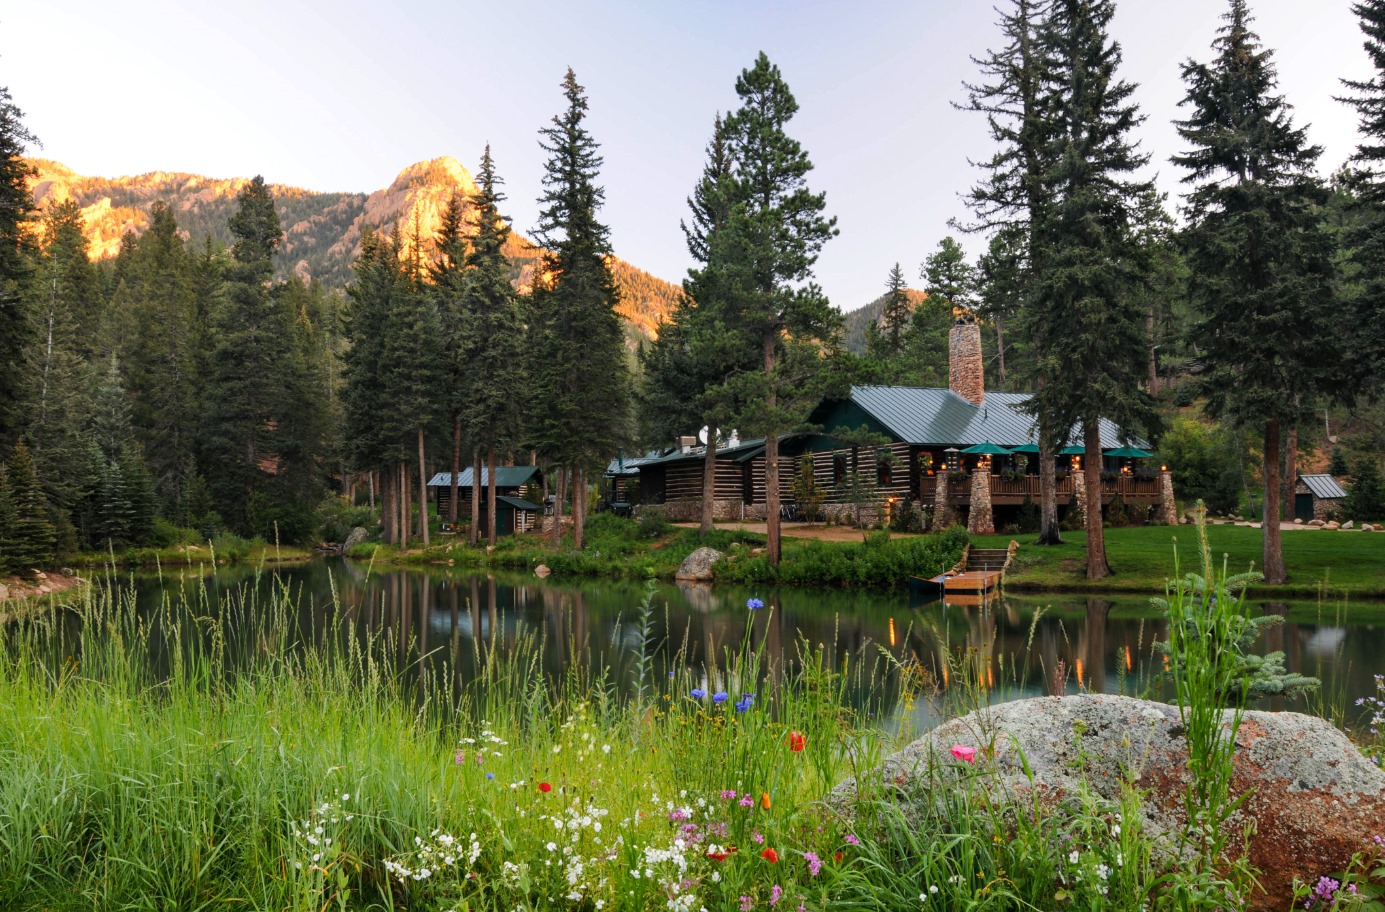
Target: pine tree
x=895, y=319
x=1366, y=237
x=774, y=232
x=1365, y=501
x=30, y=537
x=448, y=277
x=495, y=334
x=580, y=372
x=246, y=393
x=1009, y=198
x=16, y=265
x=1085, y=318
x=1258, y=254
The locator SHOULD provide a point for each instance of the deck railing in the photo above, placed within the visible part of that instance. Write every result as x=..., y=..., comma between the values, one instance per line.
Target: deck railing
x=1029, y=484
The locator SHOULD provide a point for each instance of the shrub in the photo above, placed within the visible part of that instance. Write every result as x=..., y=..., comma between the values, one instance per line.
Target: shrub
x=1365, y=500
x=652, y=521
x=336, y=518
x=1029, y=518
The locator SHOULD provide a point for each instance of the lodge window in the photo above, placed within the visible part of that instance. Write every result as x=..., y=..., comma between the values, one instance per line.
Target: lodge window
x=838, y=469
x=884, y=472
x=747, y=483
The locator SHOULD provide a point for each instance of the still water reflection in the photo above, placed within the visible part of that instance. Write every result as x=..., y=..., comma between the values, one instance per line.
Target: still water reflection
x=1014, y=647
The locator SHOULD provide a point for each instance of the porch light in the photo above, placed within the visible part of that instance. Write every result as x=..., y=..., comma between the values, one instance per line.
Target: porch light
x=1163, y=468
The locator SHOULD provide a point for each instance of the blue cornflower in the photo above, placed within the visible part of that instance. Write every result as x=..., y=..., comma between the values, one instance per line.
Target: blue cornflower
x=490, y=775
x=754, y=603
x=720, y=696
x=698, y=693
x=745, y=702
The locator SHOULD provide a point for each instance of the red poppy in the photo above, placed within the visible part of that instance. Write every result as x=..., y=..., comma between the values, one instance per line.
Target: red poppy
x=837, y=857
x=545, y=787
x=770, y=855
x=719, y=856
x=797, y=741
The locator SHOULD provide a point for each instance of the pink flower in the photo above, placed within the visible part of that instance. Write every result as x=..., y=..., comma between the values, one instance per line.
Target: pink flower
x=460, y=757
x=775, y=894
x=962, y=752
x=852, y=840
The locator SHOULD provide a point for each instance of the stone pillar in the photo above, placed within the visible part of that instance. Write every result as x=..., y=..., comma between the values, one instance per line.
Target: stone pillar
x=1079, y=493
x=981, y=519
x=942, y=510
x=965, y=363
x=1168, y=507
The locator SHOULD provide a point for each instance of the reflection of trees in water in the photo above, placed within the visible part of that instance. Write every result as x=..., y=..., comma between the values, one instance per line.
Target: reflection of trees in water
x=450, y=620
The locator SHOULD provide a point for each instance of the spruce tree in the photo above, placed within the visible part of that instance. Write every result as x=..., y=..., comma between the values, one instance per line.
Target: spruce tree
x=495, y=379
x=1009, y=198
x=887, y=341
x=774, y=232
x=1365, y=239
x=448, y=280
x=16, y=266
x=1085, y=317
x=1259, y=256
x=30, y=537
x=580, y=372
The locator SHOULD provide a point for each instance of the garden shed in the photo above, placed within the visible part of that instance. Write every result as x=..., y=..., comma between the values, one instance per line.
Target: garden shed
x=1318, y=497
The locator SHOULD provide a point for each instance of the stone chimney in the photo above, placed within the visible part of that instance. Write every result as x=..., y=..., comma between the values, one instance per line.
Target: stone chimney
x=966, y=368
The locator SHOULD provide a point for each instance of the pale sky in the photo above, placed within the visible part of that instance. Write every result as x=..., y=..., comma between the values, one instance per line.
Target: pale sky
x=343, y=95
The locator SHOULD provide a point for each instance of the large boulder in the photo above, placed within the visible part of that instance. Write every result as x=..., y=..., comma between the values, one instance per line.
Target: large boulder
x=1314, y=799
x=697, y=567
x=353, y=538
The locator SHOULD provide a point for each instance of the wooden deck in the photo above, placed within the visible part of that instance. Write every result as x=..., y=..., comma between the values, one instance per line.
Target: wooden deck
x=971, y=581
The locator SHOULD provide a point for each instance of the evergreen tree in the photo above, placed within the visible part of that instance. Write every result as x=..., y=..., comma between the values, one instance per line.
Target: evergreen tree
x=1365, y=239
x=1259, y=257
x=1002, y=290
x=580, y=372
x=494, y=334
x=948, y=275
x=774, y=231
x=6, y=523
x=16, y=265
x=107, y=515
x=251, y=363
x=1085, y=317
x=30, y=538
x=448, y=278
x=887, y=341
x=1365, y=502
x=1009, y=197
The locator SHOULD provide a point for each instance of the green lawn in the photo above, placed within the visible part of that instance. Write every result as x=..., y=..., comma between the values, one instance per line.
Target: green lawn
x=1340, y=562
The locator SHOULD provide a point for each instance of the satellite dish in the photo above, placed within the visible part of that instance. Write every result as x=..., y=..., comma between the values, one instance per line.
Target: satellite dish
x=702, y=436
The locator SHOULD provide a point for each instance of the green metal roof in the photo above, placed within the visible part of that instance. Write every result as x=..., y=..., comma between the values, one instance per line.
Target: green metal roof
x=505, y=477
x=1323, y=486
x=932, y=416
x=518, y=503
x=741, y=452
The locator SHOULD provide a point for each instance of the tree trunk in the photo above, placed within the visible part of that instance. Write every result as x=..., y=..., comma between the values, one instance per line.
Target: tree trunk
x=1290, y=473
x=579, y=507
x=771, y=458
x=1000, y=349
x=490, y=495
x=1097, y=567
x=387, y=513
x=422, y=490
x=1274, y=550
x=456, y=470
x=1153, y=381
x=370, y=479
x=1049, y=533
x=401, y=476
x=558, y=511
x=474, y=537
x=709, y=481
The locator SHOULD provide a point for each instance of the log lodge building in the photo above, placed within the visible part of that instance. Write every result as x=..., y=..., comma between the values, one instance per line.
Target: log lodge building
x=932, y=453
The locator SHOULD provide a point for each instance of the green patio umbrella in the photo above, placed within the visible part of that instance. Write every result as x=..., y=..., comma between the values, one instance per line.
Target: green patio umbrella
x=1073, y=451
x=1032, y=448
x=986, y=449
x=1130, y=452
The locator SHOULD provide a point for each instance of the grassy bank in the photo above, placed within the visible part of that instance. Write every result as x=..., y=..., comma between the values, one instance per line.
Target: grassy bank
x=622, y=548
x=1319, y=563
x=184, y=761
x=221, y=551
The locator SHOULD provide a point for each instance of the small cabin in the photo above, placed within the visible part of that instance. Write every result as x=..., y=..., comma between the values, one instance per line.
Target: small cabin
x=1318, y=497
x=513, y=516
x=509, y=482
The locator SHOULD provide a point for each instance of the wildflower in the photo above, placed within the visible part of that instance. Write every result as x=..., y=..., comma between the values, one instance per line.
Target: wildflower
x=1073, y=856
x=698, y=693
x=747, y=904
x=746, y=801
x=837, y=857
x=720, y=696
x=745, y=702
x=776, y=893
x=962, y=752
x=490, y=775
x=754, y=603
x=814, y=863
x=459, y=757
x=764, y=800
x=770, y=855
x=852, y=840
x=757, y=837
x=545, y=787
x=728, y=794
x=797, y=741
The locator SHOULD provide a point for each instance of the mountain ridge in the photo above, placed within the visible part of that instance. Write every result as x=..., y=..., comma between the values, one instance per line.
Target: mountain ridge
x=322, y=230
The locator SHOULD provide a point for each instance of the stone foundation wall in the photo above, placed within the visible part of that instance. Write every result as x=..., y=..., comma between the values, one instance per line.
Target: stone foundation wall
x=728, y=510
x=845, y=514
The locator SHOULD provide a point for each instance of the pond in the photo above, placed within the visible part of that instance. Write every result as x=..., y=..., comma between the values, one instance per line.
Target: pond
x=1016, y=646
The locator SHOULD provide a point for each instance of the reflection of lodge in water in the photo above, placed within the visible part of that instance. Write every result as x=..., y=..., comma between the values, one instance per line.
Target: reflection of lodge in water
x=1007, y=647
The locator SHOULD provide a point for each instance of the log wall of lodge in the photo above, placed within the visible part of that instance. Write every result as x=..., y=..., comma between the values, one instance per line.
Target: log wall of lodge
x=739, y=491
x=899, y=480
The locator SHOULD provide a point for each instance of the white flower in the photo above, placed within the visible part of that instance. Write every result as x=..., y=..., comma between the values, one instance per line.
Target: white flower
x=552, y=847
x=1073, y=856
x=605, y=749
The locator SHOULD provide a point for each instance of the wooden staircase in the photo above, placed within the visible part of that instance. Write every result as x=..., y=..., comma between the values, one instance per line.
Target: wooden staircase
x=984, y=559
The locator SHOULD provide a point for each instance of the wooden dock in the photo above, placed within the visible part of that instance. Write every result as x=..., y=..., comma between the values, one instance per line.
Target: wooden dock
x=969, y=582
